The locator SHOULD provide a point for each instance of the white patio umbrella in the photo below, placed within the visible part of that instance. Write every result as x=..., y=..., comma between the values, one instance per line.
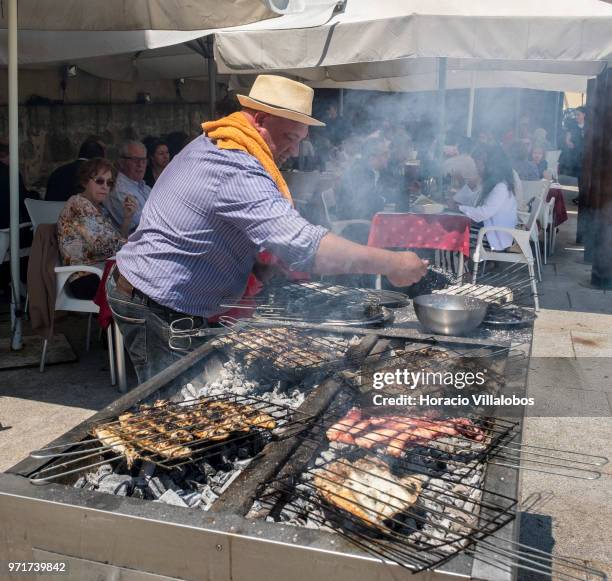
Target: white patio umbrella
x=376, y=44
x=54, y=30
x=549, y=34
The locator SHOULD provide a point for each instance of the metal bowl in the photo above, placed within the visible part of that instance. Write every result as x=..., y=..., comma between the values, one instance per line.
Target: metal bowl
x=449, y=314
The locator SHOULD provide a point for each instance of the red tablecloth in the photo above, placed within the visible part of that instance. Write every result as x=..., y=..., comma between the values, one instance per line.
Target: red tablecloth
x=438, y=231
x=560, y=213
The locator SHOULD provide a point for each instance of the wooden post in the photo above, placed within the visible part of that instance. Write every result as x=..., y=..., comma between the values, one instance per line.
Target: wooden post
x=587, y=189
x=601, y=248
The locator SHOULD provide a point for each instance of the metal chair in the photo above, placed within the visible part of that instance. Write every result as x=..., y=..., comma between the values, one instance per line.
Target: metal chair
x=523, y=238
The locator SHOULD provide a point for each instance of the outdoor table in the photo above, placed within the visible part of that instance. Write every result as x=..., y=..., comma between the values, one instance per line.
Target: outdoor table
x=446, y=231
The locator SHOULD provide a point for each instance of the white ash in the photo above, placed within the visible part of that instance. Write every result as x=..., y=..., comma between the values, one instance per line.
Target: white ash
x=172, y=498
x=232, y=380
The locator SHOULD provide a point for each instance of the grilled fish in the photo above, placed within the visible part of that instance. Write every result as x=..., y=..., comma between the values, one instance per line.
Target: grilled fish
x=367, y=489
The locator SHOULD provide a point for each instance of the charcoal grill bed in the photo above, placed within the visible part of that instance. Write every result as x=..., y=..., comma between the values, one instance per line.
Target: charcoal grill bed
x=95, y=531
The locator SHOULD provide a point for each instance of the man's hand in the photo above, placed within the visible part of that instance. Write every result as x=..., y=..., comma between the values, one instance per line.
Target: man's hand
x=130, y=206
x=406, y=268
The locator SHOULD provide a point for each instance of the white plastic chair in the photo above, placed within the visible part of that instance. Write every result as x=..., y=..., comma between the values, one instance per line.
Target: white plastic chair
x=329, y=205
x=552, y=160
x=523, y=239
x=43, y=212
x=5, y=243
x=65, y=302
x=540, y=189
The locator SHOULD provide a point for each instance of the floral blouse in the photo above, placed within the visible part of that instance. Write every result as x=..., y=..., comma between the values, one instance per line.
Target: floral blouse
x=86, y=235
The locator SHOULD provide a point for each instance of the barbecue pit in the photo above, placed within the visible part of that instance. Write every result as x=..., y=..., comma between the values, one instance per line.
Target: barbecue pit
x=221, y=536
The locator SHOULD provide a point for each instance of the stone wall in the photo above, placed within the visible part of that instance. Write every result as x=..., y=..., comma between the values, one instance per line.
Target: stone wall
x=51, y=131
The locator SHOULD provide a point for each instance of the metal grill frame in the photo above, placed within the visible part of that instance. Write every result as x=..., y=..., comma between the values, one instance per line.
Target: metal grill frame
x=93, y=447
x=417, y=558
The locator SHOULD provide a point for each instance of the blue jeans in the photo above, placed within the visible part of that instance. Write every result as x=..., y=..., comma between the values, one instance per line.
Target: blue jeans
x=145, y=326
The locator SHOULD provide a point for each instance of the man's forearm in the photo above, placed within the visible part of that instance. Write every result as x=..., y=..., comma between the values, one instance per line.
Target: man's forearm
x=340, y=256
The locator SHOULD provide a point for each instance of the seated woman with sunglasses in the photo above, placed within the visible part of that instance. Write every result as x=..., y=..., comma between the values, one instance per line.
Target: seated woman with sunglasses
x=86, y=234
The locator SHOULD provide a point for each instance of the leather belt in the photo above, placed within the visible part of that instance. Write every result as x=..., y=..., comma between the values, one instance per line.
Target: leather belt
x=128, y=289
x=123, y=285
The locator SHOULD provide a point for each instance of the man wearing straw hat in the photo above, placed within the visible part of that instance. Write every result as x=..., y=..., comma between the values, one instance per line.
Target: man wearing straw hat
x=217, y=205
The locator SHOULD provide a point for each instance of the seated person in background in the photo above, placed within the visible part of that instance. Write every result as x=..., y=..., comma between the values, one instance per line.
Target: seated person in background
x=158, y=158
x=176, y=141
x=539, y=140
x=25, y=234
x=86, y=235
x=496, y=204
x=460, y=166
x=63, y=181
x=526, y=170
x=5, y=191
x=360, y=194
x=537, y=157
x=130, y=182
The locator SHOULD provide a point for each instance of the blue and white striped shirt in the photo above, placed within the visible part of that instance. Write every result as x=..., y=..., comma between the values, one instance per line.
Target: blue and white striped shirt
x=208, y=215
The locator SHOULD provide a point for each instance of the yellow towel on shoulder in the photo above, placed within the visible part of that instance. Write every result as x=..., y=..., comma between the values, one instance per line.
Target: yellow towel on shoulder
x=235, y=132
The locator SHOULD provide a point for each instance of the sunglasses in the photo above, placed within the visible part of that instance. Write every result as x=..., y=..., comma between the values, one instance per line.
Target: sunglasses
x=134, y=159
x=101, y=182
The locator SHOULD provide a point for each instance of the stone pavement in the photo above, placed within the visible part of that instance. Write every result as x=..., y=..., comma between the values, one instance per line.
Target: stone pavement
x=38, y=407
x=571, y=367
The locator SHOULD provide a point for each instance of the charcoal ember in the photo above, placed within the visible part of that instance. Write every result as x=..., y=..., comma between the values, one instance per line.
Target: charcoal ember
x=192, y=499
x=206, y=469
x=243, y=453
x=147, y=469
x=189, y=391
x=94, y=477
x=81, y=482
x=139, y=493
x=172, y=498
x=208, y=497
x=155, y=487
x=117, y=484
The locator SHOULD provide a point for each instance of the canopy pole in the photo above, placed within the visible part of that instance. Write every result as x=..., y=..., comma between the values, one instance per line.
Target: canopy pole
x=341, y=103
x=470, y=119
x=442, y=67
x=13, y=114
x=212, y=79
x=558, y=113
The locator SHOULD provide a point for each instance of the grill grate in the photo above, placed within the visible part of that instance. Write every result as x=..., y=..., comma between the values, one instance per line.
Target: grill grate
x=171, y=435
x=370, y=509
x=283, y=352
x=453, y=446
x=318, y=302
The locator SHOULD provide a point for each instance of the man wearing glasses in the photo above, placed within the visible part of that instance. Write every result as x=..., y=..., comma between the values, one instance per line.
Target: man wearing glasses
x=130, y=182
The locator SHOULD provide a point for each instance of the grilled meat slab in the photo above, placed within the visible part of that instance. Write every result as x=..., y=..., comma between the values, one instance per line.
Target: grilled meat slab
x=396, y=433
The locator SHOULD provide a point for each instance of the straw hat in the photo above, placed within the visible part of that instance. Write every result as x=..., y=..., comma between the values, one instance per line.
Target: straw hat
x=281, y=97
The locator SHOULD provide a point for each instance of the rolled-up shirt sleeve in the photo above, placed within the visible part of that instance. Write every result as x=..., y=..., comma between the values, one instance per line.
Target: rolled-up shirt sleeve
x=250, y=201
